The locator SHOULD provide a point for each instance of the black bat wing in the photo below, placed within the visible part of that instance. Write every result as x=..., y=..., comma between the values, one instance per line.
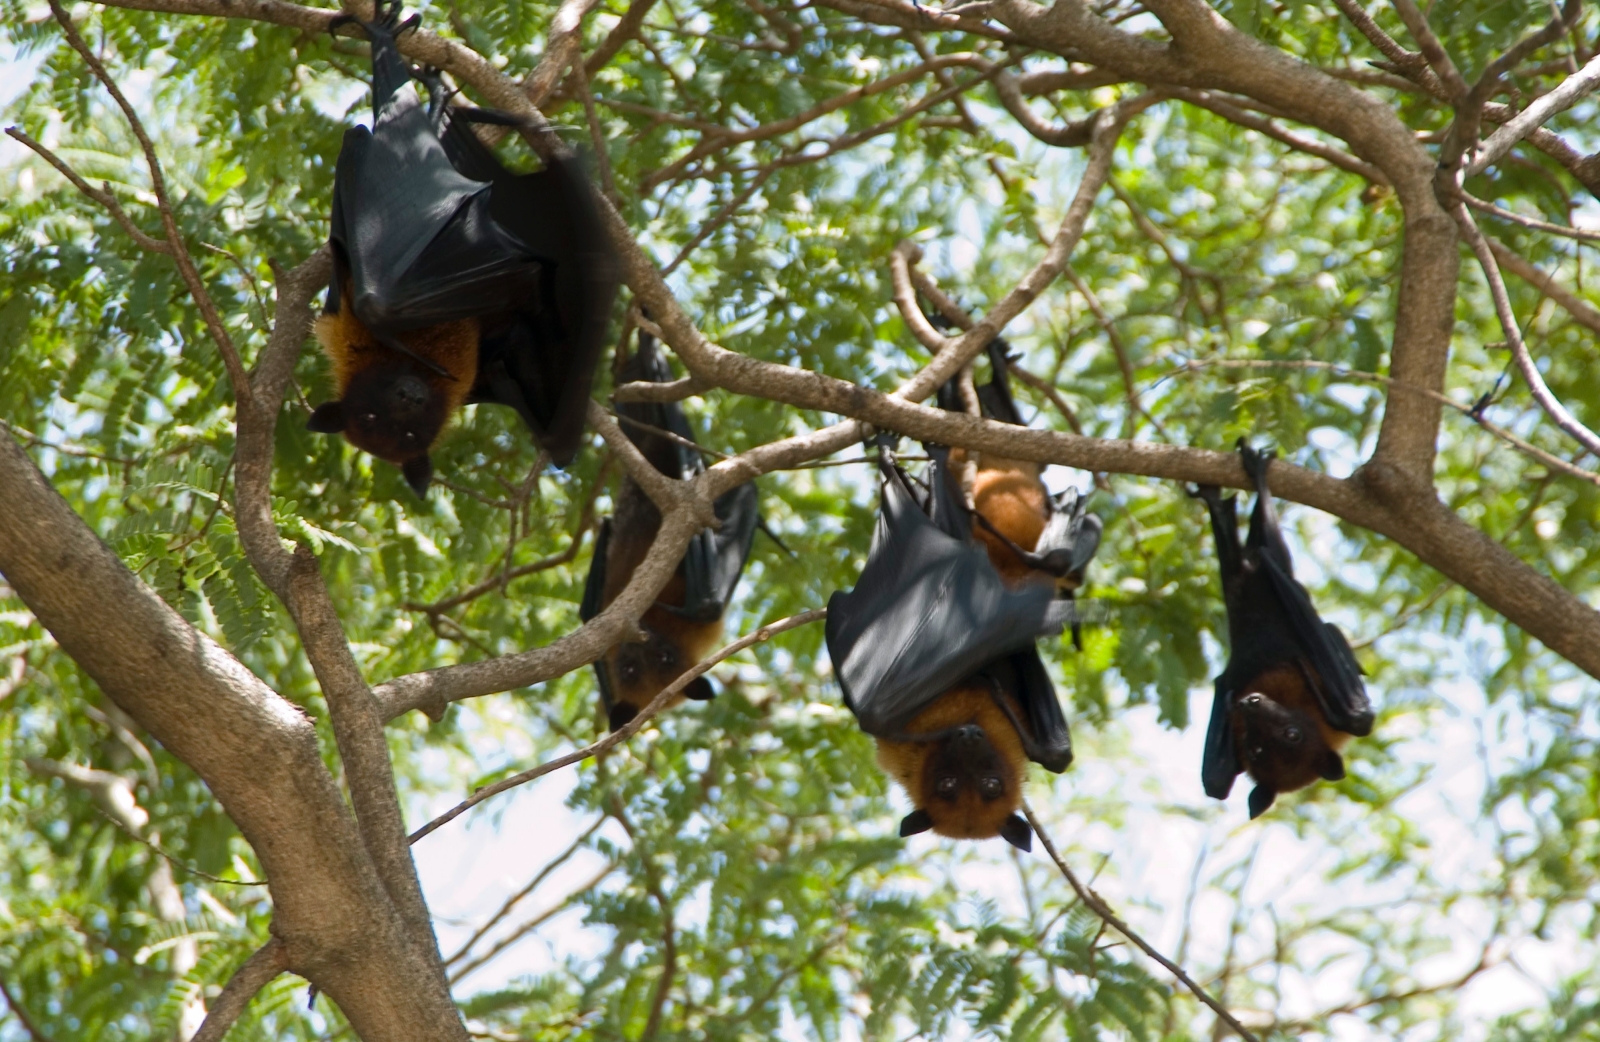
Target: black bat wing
x=540, y=359
x=994, y=397
x=672, y=458
x=416, y=237
x=1047, y=739
x=928, y=611
x=1220, y=765
x=594, y=589
x=1340, y=690
x=712, y=564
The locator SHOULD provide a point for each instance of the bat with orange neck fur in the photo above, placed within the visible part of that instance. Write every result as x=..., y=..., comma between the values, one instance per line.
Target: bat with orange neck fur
x=1291, y=695
x=455, y=281
x=685, y=622
x=935, y=654
x=1031, y=535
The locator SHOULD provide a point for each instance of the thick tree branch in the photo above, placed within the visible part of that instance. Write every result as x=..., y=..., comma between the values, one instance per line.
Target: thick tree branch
x=255, y=750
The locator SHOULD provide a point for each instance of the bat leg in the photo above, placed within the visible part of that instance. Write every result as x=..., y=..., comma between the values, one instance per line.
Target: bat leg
x=1015, y=830
x=1224, y=526
x=1264, y=529
x=1261, y=798
x=917, y=821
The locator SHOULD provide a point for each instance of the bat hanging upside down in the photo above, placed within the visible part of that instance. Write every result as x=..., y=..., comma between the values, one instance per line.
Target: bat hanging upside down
x=455, y=281
x=935, y=655
x=1291, y=695
x=1031, y=535
x=685, y=622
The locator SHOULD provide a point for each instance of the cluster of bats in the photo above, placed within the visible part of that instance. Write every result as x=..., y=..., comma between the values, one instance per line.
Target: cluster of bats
x=456, y=281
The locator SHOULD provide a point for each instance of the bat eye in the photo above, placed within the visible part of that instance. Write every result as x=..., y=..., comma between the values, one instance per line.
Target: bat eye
x=947, y=786
x=990, y=787
x=409, y=436
x=665, y=655
x=1292, y=734
x=369, y=417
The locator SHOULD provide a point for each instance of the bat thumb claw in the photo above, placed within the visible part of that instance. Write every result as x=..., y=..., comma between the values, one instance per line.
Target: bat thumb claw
x=917, y=821
x=1015, y=830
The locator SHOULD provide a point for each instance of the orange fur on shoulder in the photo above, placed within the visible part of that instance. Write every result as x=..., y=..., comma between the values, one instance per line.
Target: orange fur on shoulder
x=1010, y=495
x=969, y=817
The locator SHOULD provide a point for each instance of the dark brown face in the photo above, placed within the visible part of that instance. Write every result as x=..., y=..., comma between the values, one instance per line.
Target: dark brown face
x=640, y=671
x=1281, y=747
x=965, y=766
x=393, y=413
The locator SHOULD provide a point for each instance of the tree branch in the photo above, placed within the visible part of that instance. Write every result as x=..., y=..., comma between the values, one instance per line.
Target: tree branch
x=247, y=981
x=628, y=730
x=1098, y=906
x=255, y=750
x=169, y=222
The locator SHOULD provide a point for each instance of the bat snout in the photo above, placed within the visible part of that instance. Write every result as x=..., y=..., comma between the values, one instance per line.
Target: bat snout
x=969, y=738
x=408, y=396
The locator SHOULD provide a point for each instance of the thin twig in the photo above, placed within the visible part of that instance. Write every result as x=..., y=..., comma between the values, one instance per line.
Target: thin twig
x=512, y=901
x=1469, y=411
x=1519, y=348
x=629, y=729
x=180, y=253
x=1103, y=910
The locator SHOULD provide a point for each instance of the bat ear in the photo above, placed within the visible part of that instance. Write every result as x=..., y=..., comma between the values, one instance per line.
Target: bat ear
x=327, y=418
x=1015, y=830
x=418, y=473
x=917, y=821
x=1261, y=798
x=1332, y=766
x=700, y=690
x=620, y=714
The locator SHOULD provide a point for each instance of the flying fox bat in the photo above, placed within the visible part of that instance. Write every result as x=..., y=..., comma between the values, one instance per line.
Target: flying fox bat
x=1030, y=534
x=1291, y=695
x=686, y=620
x=455, y=281
x=935, y=654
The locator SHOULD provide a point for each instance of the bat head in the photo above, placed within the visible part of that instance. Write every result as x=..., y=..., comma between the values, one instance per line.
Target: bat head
x=639, y=670
x=1282, y=746
x=392, y=413
x=968, y=789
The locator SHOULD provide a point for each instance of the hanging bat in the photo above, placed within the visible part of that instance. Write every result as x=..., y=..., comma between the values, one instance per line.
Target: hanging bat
x=1030, y=534
x=685, y=622
x=935, y=655
x=1291, y=695
x=455, y=281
